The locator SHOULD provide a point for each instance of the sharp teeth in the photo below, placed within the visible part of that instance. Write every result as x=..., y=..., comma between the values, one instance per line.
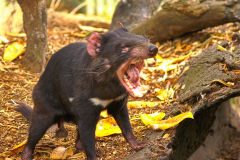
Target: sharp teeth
x=127, y=82
x=125, y=77
x=134, y=61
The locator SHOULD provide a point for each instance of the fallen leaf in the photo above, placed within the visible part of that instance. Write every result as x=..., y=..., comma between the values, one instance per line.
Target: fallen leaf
x=104, y=114
x=81, y=35
x=232, y=49
x=166, y=136
x=8, y=138
x=167, y=65
x=13, y=51
x=15, y=149
x=61, y=153
x=159, y=58
x=164, y=94
x=149, y=119
x=92, y=29
x=16, y=34
x=106, y=127
x=142, y=104
x=171, y=122
x=237, y=61
x=228, y=84
x=221, y=48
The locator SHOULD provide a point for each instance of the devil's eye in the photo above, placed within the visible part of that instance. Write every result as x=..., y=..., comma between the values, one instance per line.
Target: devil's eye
x=125, y=49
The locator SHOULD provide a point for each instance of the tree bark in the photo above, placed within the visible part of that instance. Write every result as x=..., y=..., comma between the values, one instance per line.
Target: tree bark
x=35, y=26
x=132, y=12
x=176, y=18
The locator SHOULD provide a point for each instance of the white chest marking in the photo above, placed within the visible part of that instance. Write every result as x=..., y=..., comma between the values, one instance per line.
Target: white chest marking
x=70, y=99
x=104, y=102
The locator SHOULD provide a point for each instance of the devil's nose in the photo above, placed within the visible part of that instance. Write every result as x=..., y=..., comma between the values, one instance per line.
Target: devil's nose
x=153, y=50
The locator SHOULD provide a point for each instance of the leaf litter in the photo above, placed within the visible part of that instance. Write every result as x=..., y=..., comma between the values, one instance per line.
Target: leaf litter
x=159, y=75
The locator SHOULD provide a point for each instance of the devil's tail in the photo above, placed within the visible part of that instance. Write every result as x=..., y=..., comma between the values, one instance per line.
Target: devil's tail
x=25, y=110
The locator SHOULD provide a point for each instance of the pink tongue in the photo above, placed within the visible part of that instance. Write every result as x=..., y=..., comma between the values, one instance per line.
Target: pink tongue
x=133, y=74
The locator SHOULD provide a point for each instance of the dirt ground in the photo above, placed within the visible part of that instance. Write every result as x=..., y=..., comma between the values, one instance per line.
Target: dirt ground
x=17, y=84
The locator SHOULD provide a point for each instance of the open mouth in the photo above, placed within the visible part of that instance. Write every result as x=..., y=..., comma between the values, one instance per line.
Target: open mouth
x=129, y=75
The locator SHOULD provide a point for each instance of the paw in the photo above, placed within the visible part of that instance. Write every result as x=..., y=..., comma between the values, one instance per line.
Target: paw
x=27, y=154
x=138, y=145
x=61, y=133
x=99, y=153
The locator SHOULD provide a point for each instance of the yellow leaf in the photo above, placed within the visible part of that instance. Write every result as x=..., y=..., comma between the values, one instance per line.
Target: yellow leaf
x=228, y=84
x=171, y=122
x=92, y=29
x=142, y=104
x=237, y=61
x=158, y=57
x=104, y=114
x=164, y=94
x=13, y=51
x=166, y=136
x=221, y=48
x=106, y=127
x=149, y=119
x=15, y=149
x=16, y=34
x=167, y=65
x=166, y=62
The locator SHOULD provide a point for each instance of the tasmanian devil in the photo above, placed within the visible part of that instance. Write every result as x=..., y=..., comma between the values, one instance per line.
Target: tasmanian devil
x=81, y=80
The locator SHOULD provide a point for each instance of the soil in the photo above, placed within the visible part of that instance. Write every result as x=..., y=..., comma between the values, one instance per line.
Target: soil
x=16, y=85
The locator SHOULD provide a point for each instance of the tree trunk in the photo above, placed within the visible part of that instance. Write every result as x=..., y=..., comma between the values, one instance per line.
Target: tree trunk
x=35, y=26
x=176, y=18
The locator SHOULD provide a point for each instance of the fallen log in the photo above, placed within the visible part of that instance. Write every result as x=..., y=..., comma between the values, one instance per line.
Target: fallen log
x=132, y=12
x=56, y=18
x=212, y=79
x=176, y=18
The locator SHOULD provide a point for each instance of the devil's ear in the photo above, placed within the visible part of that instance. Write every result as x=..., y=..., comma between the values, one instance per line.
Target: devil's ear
x=94, y=44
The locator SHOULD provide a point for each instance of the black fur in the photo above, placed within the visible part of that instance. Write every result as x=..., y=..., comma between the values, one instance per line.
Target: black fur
x=73, y=73
x=25, y=109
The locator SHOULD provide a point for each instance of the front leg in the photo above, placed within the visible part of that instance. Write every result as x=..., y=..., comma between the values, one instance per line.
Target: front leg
x=119, y=111
x=86, y=117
